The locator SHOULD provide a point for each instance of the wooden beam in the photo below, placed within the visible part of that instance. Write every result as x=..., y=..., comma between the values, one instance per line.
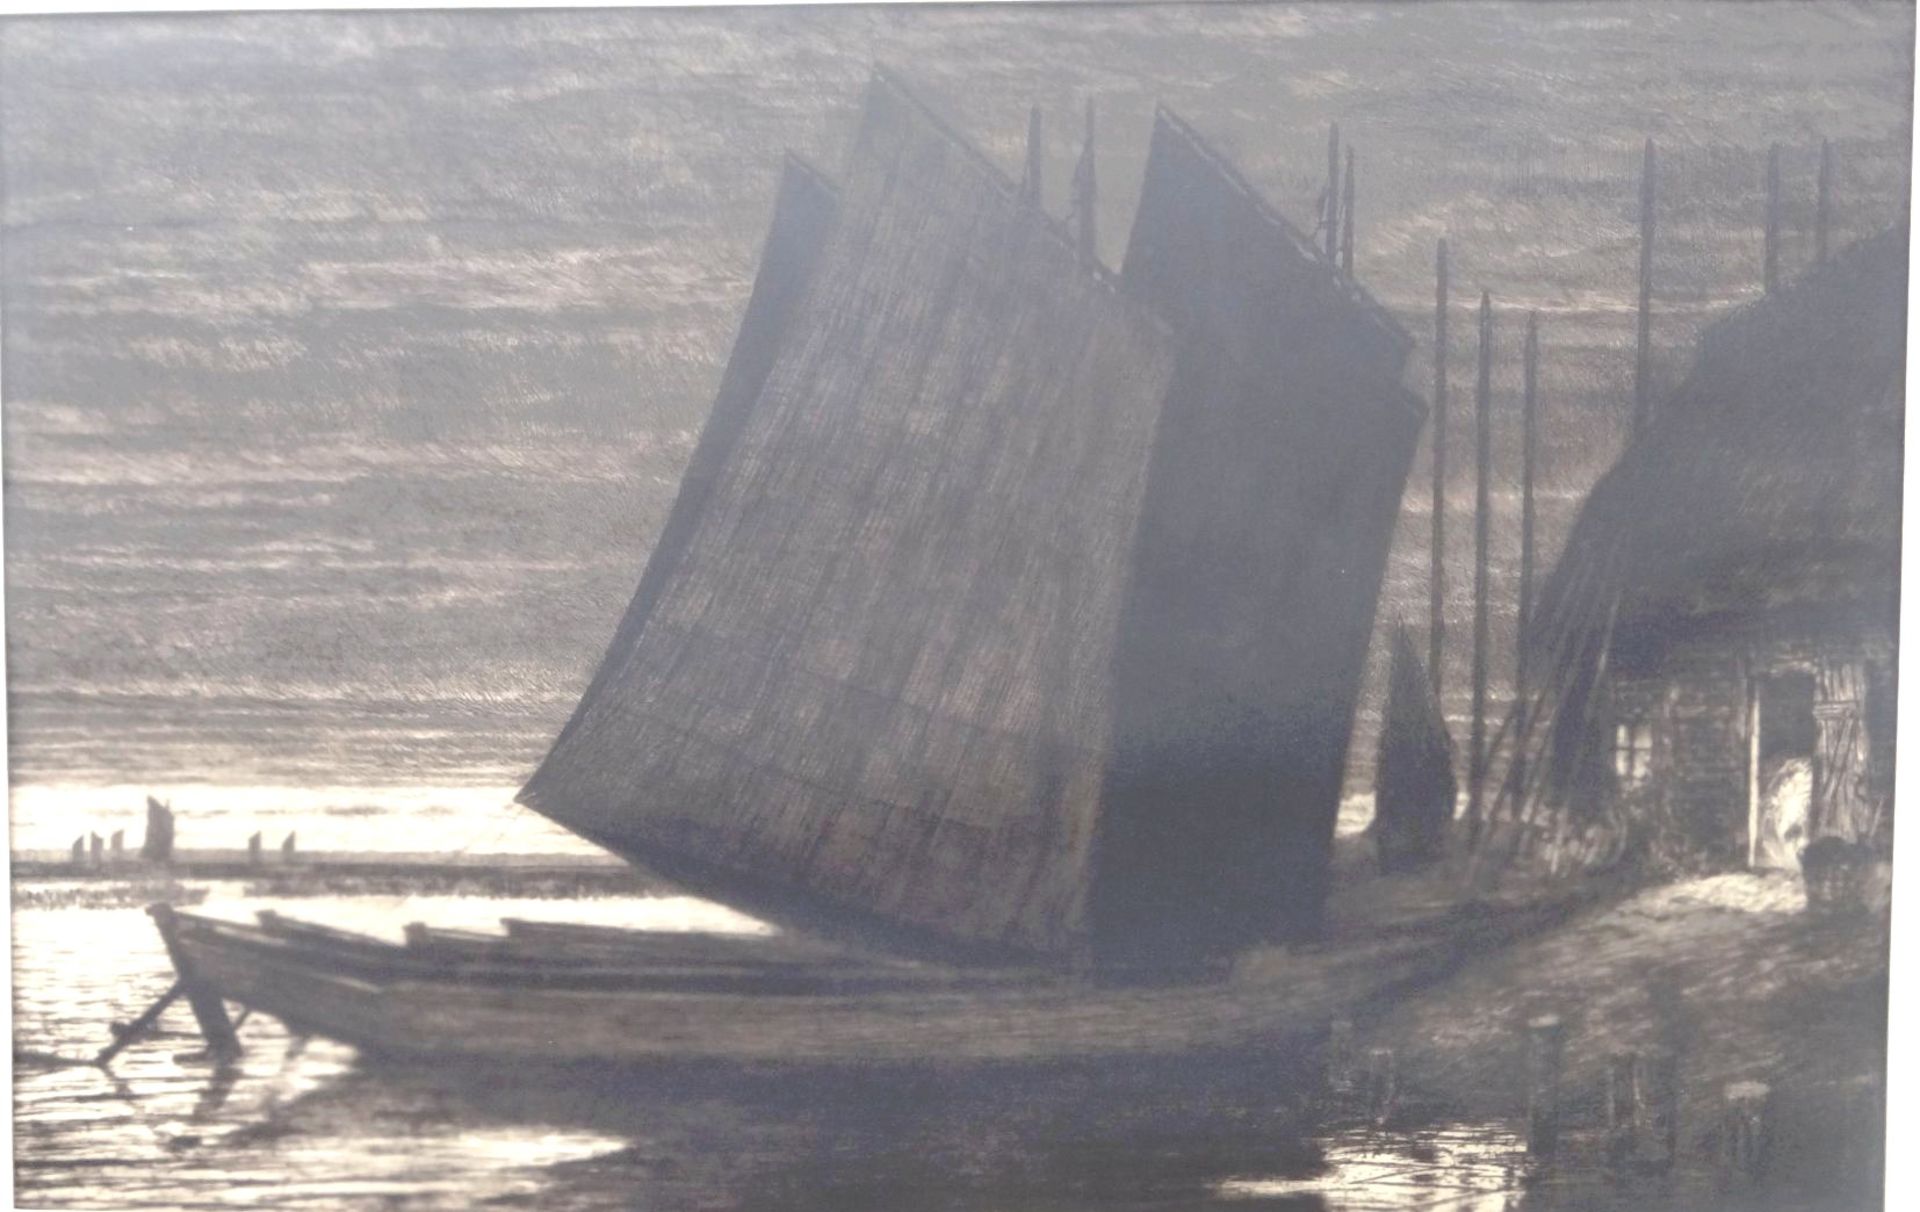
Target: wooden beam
x=125, y=1035
x=1437, y=582
x=1482, y=526
x=1771, y=268
x=1529, y=456
x=1643, y=352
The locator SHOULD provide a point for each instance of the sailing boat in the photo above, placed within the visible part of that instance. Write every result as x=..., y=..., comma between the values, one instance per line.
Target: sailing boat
x=1004, y=638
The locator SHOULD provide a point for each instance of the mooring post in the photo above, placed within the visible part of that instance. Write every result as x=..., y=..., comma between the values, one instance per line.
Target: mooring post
x=208, y=1010
x=1546, y=1043
x=1623, y=1115
x=1746, y=1128
x=1340, y=1056
x=253, y=849
x=1381, y=1083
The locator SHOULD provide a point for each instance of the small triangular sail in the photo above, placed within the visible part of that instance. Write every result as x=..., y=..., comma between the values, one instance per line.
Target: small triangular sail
x=1414, y=787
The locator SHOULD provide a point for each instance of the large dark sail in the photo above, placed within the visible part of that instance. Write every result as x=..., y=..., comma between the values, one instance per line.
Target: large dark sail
x=871, y=687
x=1281, y=455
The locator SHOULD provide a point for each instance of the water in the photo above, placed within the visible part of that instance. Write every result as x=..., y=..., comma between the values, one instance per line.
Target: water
x=299, y=1124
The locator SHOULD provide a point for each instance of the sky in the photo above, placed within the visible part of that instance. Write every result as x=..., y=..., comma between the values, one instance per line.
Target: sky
x=350, y=360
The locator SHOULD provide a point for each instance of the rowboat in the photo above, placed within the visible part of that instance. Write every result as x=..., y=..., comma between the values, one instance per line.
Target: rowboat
x=561, y=994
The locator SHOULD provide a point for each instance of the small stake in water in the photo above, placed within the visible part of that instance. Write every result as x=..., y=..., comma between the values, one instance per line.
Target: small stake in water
x=1381, y=1083
x=1340, y=1056
x=1623, y=1115
x=1746, y=1128
x=1546, y=1042
x=253, y=848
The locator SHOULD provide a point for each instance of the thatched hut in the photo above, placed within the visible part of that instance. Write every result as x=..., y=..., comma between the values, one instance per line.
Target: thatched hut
x=1721, y=627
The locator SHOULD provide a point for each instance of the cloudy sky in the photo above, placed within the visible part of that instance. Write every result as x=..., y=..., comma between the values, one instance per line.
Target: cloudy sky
x=350, y=360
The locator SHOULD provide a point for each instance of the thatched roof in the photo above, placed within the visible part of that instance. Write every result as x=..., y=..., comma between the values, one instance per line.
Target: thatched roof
x=1277, y=473
x=1771, y=478
x=874, y=680
x=1766, y=490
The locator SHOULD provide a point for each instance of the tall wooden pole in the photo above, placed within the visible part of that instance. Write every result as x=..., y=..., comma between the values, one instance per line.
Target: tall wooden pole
x=1482, y=525
x=1823, y=208
x=1030, y=184
x=1643, y=337
x=1772, y=266
x=1529, y=453
x=1437, y=581
x=1333, y=190
x=1346, y=218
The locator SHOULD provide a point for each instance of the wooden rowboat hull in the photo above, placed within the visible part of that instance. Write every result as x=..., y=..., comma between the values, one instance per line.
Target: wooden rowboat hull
x=396, y=1000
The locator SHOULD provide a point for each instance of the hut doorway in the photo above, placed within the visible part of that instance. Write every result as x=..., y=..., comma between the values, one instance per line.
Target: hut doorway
x=1784, y=739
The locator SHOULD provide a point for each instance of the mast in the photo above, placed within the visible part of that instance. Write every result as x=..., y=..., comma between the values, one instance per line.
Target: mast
x=1437, y=583
x=1529, y=452
x=1083, y=197
x=1030, y=184
x=1482, y=511
x=1332, y=216
x=1346, y=220
x=1823, y=208
x=1643, y=352
x=1771, y=270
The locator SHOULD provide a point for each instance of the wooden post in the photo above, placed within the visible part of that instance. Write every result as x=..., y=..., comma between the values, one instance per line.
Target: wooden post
x=1643, y=334
x=1623, y=1114
x=1340, y=1056
x=1381, y=1085
x=1529, y=456
x=1546, y=1044
x=1030, y=184
x=1346, y=219
x=1482, y=530
x=1823, y=205
x=1333, y=191
x=1437, y=586
x=1771, y=267
x=253, y=848
x=1746, y=1129
x=208, y=1010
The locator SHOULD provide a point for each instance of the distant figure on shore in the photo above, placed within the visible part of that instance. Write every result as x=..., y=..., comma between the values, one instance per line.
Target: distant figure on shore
x=1413, y=786
x=158, y=846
